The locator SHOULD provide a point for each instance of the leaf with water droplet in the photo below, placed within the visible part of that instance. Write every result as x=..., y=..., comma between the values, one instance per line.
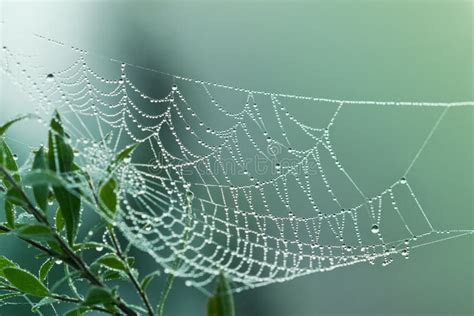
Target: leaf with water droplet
x=8, y=162
x=112, y=262
x=126, y=152
x=45, y=268
x=9, y=213
x=40, y=191
x=35, y=231
x=7, y=125
x=4, y=263
x=25, y=281
x=98, y=295
x=60, y=158
x=108, y=197
x=59, y=220
x=147, y=280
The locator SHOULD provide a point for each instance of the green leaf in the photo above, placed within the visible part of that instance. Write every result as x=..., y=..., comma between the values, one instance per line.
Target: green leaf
x=60, y=158
x=43, y=178
x=59, y=220
x=35, y=232
x=15, y=197
x=127, y=151
x=10, y=213
x=112, y=262
x=112, y=275
x=147, y=280
x=45, y=268
x=76, y=312
x=4, y=263
x=108, y=197
x=98, y=295
x=5, y=126
x=25, y=281
x=40, y=190
x=7, y=160
x=222, y=303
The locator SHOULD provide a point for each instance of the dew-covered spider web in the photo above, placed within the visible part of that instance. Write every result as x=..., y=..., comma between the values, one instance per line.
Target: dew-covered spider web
x=225, y=179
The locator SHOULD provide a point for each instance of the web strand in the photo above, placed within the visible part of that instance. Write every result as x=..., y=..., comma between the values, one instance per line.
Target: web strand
x=267, y=192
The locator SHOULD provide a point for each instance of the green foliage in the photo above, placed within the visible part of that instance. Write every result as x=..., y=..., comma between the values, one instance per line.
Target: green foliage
x=4, y=127
x=108, y=197
x=111, y=261
x=35, y=231
x=45, y=268
x=40, y=190
x=52, y=178
x=25, y=282
x=98, y=295
x=222, y=303
x=61, y=158
x=5, y=263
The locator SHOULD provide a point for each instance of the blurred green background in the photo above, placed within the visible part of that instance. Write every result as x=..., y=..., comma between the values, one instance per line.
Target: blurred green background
x=361, y=50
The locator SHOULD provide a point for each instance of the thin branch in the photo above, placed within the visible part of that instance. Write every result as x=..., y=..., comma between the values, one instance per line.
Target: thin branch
x=118, y=250
x=130, y=275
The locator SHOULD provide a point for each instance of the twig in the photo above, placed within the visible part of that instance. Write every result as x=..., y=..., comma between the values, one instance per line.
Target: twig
x=130, y=275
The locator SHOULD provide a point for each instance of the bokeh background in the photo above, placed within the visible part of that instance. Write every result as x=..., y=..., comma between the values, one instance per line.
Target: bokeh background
x=379, y=50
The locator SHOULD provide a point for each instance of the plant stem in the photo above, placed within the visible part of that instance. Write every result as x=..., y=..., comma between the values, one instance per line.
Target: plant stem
x=176, y=263
x=59, y=297
x=130, y=275
x=119, y=252
x=77, y=261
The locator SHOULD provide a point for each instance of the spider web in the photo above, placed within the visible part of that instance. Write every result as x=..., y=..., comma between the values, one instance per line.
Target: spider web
x=236, y=183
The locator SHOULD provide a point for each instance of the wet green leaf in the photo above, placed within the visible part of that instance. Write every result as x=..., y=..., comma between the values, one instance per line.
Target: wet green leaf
x=45, y=268
x=13, y=196
x=60, y=158
x=76, y=312
x=108, y=197
x=147, y=280
x=112, y=262
x=25, y=281
x=7, y=125
x=7, y=160
x=10, y=213
x=4, y=263
x=35, y=232
x=98, y=295
x=222, y=303
x=59, y=220
x=40, y=190
x=126, y=152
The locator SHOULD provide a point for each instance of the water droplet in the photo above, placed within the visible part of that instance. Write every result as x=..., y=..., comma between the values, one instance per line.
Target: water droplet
x=375, y=229
x=99, y=248
x=127, y=159
x=50, y=202
x=403, y=181
x=49, y=77
x=188, y=283
x=90, y=233
x=58, y=261
x=15, y=157
x=189, y=195
x=405, y=252
x=174, y=87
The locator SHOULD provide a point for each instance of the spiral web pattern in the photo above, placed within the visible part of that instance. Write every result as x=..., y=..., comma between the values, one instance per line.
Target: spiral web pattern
x=236, y=183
